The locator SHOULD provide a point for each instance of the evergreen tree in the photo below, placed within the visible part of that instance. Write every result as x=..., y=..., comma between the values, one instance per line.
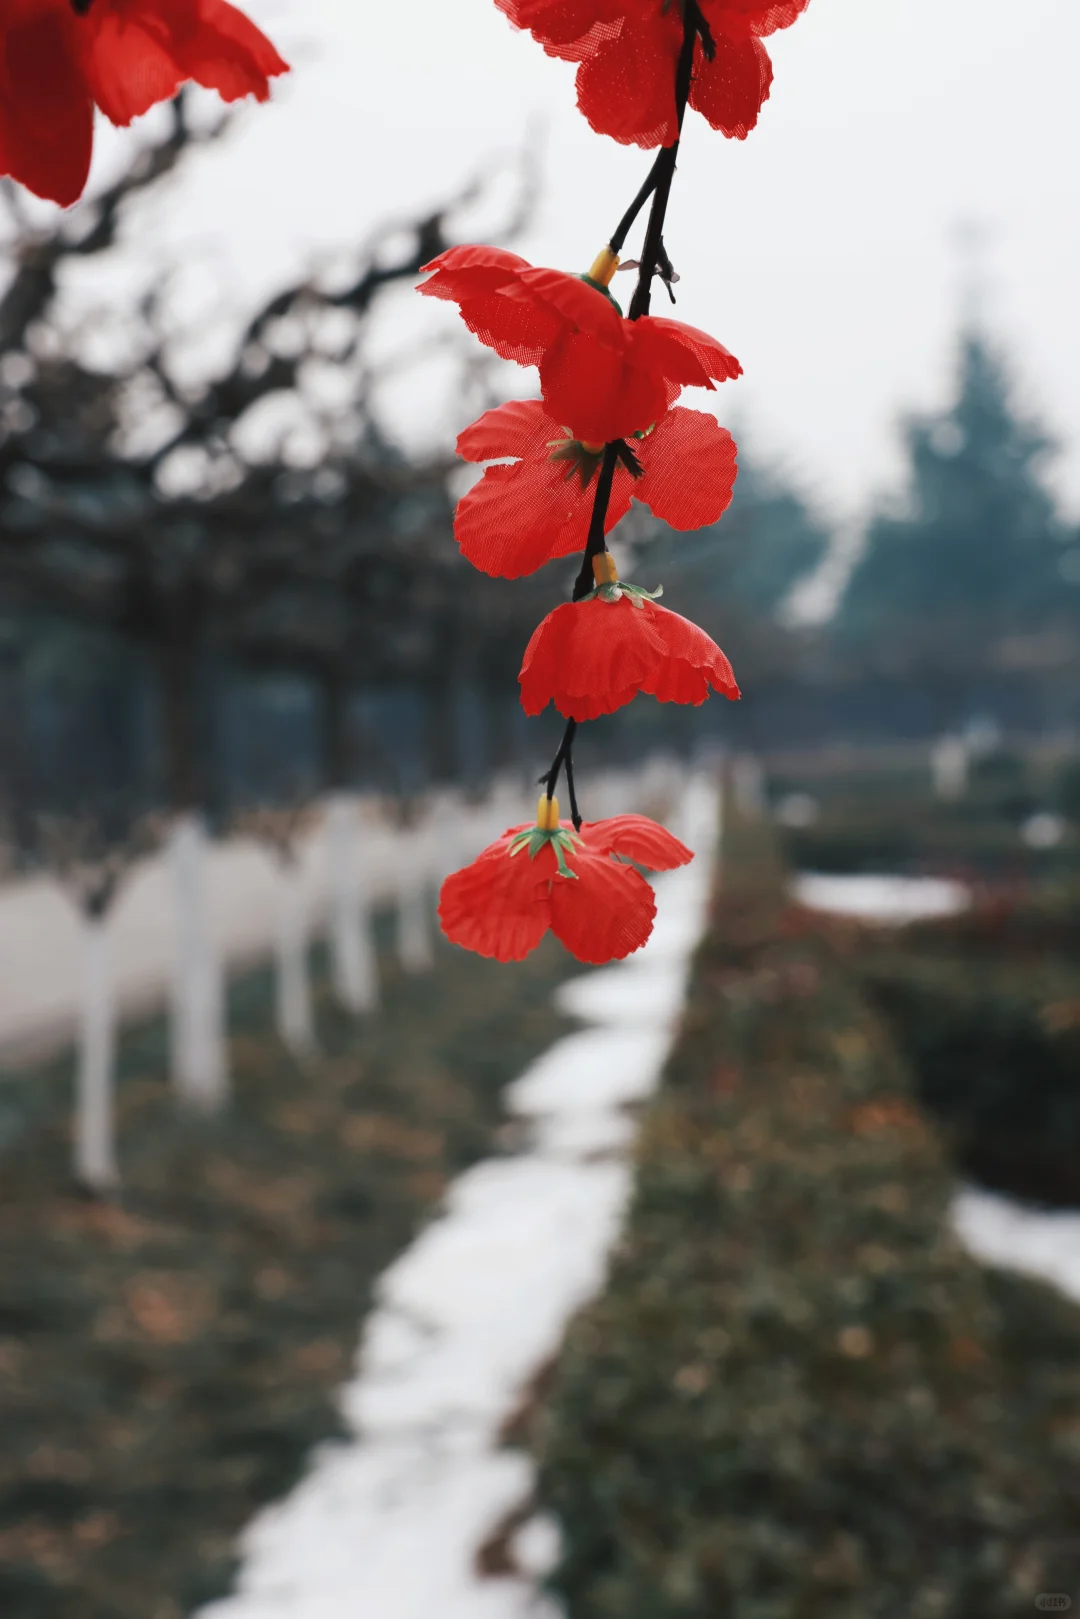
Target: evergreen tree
x=972, y=559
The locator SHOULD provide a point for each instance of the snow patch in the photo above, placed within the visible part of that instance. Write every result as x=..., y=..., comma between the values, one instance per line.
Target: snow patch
x=889, y=900
x=389, y=1524
x=1042, y=1243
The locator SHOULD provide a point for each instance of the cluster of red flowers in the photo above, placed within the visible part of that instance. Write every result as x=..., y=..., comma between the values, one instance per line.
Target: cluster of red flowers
x=565, y=878
x=629, y=50
x=606, y=429
x=59, y=59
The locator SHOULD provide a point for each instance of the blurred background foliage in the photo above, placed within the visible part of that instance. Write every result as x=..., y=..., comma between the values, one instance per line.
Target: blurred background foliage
x=226, y=588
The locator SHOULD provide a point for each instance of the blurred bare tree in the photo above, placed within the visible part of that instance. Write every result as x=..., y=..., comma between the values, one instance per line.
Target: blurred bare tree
x=261, y=515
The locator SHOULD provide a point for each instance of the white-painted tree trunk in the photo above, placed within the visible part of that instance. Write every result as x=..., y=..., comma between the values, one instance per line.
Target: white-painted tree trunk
x=353, y=964
x=95, y=1121
x=414, y=923
x=295, y=1025
x=199, y=1052
x=450, y=841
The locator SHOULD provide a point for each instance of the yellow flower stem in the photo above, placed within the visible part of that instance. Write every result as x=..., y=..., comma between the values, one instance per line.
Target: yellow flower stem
x=604, y=266
x=604, y=569
x=547, y=813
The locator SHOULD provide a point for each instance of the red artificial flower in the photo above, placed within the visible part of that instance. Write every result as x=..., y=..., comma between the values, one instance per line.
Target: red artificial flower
x=520, y=516
x=549, y=876
x=61, y=58
x=591, y=657
x=628, y=51
x=601, y=375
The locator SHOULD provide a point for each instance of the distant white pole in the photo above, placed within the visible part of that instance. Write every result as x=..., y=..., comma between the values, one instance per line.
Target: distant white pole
x=197, y=1035
x=95, y=1121
x=295, y=1025
x=748, y=784
x=353, y=964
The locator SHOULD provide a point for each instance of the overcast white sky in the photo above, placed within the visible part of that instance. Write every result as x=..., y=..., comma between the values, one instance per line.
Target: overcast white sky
x=819, y=250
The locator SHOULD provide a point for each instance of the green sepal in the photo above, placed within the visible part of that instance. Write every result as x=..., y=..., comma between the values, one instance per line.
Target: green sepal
x=579, y=460
x=535, y=838
x=598, y=286
x=612, y=592
x=564, y=843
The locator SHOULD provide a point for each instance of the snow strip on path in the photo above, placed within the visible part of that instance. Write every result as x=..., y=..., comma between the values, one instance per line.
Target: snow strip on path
x=994, y=1229
x=888, y=900
x=1037, y=1242
x=388, y=1524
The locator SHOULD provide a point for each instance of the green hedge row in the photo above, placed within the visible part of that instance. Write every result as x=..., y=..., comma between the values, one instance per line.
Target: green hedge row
x=797, y=1398
x=986, y=1010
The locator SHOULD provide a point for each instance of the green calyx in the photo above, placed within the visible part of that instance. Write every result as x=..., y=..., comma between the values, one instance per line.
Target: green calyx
x=598, y=286
x=535, y=838
x=636, y=595
x=579, y=461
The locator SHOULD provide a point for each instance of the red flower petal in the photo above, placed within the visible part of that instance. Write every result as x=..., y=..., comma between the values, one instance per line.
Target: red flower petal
x=46, y=114
x=602, y=376
x=682, y=353
x=518, y=518
x=473, y=259
x=503, y=903
x=639, y=839
x=227, y=53
x=693, y=664
x=125, y=55
x=522, y=428
x=742, y=19
x=597, y=394
x=571, y=29
x=128, y=60
x=581, y=307
x=731, y=90
x=475, y=278
x=628, y=50
x=592, y=657
x=583, y=663
x=139, y=52
x=500, y=905
x=626, y=89
x=690, y=464
x=605, y=914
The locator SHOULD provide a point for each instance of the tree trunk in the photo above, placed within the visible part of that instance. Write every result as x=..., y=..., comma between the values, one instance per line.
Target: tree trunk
x=337, y=740
x=178, y=672
x=354, y=968
x=198, y=1045
x=295, y=1025
x=95, y=1125
x=414, y=924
